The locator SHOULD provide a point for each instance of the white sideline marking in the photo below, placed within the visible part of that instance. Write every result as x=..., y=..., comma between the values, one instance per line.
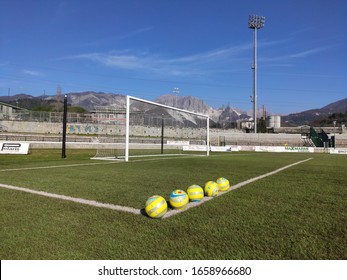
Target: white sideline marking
x=139, y=211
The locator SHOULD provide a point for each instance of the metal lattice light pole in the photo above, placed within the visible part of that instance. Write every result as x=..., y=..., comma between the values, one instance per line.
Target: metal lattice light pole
x=255, y=22
x=176, y=91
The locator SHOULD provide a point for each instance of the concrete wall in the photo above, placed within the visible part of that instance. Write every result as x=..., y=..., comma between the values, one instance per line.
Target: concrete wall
x=93, y=129
x=46, y=127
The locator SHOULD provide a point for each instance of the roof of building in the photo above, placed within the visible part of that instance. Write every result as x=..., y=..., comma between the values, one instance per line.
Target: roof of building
x=13, y=106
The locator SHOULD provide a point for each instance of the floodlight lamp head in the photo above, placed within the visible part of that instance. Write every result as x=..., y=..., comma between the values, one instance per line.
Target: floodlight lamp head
x=256, y=22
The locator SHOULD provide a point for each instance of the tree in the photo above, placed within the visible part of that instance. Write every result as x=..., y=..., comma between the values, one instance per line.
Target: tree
x=262, y=125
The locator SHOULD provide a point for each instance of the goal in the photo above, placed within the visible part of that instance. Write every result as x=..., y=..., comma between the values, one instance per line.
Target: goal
x=157, y=129
x=143, y=128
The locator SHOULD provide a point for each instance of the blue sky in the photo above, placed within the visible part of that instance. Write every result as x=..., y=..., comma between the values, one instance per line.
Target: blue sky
x=146, y=48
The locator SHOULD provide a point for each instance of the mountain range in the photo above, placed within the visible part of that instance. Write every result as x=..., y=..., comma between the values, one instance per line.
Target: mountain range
x=313, y=115
x=89, y=100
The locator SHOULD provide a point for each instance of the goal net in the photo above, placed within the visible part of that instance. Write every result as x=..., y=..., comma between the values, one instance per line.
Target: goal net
x=142, y=128
x=157, y=129
x=110, y=130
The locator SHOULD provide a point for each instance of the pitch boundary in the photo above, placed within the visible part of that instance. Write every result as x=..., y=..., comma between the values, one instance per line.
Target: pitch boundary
x=135, y=211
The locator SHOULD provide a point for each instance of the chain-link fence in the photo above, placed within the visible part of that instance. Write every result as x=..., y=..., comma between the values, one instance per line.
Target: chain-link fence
x=53, y=117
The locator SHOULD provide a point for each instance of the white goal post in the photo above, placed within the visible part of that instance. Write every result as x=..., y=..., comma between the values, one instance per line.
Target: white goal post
x=190, y=120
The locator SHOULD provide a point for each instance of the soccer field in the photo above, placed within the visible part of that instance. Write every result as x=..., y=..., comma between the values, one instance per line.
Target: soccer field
x=296, y=213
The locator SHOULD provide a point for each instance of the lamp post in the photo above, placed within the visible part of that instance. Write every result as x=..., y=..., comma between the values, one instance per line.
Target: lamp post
x=255, y=22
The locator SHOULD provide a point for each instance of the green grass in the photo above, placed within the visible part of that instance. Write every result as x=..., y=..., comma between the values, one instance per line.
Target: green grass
x=299, y=213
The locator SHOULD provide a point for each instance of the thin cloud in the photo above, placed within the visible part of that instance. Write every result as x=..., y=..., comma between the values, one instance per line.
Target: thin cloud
x=201, y=63
x=307, y=53
x=32, y=73
x=195, y=64
x=289, y=57
x=274, y=42
x=117, y=60
x=213, y=56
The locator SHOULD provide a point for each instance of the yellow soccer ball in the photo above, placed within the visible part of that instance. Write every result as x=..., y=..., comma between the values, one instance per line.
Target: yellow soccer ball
x=211, y=188
x=179, y=199
x=223, y=184
x=156, y=206
x=195, y=193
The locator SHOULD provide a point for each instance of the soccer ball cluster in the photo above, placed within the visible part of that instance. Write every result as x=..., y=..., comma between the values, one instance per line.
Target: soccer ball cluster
x=156, y=205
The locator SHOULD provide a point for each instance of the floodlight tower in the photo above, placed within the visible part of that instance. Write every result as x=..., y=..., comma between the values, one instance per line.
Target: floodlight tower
x=177, y=92
x=255, y=22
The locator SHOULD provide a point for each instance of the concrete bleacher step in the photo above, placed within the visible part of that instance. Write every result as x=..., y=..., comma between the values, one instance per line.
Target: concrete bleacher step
x=308, y=143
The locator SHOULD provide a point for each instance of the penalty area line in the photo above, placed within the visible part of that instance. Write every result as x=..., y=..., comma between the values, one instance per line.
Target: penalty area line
x=237, y=186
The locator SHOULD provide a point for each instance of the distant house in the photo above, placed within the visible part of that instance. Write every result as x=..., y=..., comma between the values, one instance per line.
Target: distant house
x=9, y=112
x=245, y=124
